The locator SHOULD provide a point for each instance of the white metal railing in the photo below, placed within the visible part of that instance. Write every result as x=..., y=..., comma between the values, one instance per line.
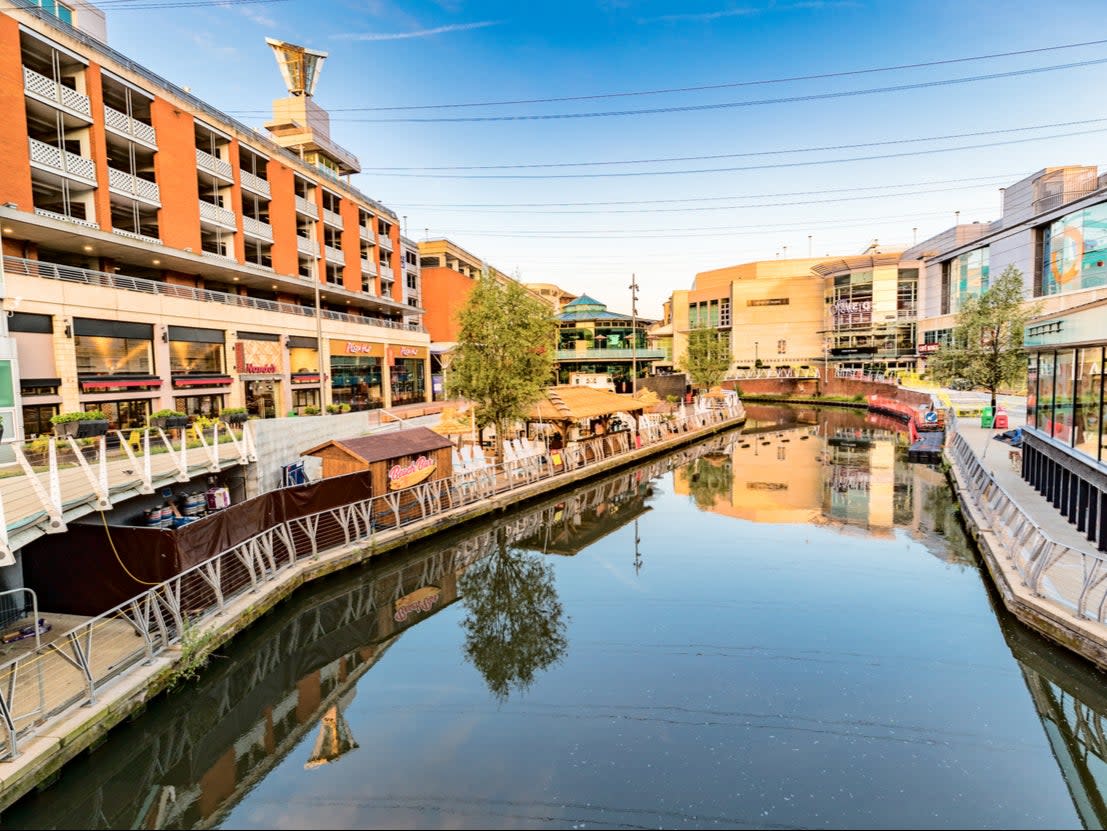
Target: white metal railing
x=129, y=185
x=334, y=255
x=42, y=87
x=253, y=183
x=133, y=235
x=47, y=682
x=65, y=218
x=770, y=372
x=1074, y=578
x=861, y=375
x=386, y=272
x=384, y=242
x=217, y=214
x=332, y=218
x=132, y=127
x=367, y=234
x=307, y=246
x=257, y=228
x=212, y=164
x=72, y=274
x=218, y=255
x=307, y=208
x=62, y=161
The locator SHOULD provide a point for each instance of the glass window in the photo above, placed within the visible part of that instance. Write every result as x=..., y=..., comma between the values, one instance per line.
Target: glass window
x=123, y=415
x=408, y=385
x=305, y=398
x=1045, y=392
x=1031, y=389
x=303, y=359
x=186, y=357
x=207, y=406
x=1086, y=417
x=1074, y=251
x=1063, y=377
x=969, y=277
x=101, y=355
x=36, y=419
x=356, y=380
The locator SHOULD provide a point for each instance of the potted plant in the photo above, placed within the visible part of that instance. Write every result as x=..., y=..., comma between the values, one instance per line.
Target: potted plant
x=334, y=408
x=311, y=410
x=234, y=415
x=166, y=419
x=80, y=424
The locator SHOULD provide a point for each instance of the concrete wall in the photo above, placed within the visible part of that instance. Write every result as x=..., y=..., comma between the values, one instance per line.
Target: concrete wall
x=280, y=441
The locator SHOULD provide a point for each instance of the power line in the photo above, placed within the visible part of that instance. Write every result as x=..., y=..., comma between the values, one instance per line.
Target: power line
x=773, y=166
x=1002, y=177
x=705, y=87
x=751, y=154
x=729, y=104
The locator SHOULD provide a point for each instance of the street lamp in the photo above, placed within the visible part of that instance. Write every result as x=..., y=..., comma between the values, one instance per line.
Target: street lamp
x=633, y=334
x=756, y=359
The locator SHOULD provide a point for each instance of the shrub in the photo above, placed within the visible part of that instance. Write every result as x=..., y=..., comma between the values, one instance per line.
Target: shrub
x=79, y=415
x=228, y=411
x=167, y=414
x=311, y=410
x=345, y=408
x=334, y=408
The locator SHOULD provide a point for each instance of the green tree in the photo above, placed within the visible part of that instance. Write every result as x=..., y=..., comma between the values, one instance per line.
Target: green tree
x=987, y=337
x=505, y=353
x=707, y=357
x=515, y=625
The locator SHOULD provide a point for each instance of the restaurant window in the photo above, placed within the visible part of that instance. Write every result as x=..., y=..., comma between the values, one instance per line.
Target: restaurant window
x=1087, y=418
x=305, y=398
x=206, y=406
x=1063, y=383
x=123, y=415
x=781, y=347
x=408, y=384
x=186, y=358
x=356, y=380
x=100, y=355
x=36, y=419
x=1045, y=392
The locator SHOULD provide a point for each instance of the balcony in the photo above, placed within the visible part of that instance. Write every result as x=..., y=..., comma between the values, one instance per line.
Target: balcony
x=367, y=234
x=331, y=218
x=65, y=218
x=71, y=274
x=610, y=354
x=307, y=208
x=307, y=246
x=255, y=184
x=217, y=215
x=49, y=91
x=139, y=237
x=49, y=157
x=125, y=184
x=209, y=163
x=368, y=267
x=385, y=242
x=131, y=128
x=334, y=255
x=257, y=228
x=386, y=273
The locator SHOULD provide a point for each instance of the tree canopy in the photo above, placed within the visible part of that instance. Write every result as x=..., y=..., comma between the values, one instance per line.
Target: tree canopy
x=707, y=357
x=505, y=352
x=986, y=347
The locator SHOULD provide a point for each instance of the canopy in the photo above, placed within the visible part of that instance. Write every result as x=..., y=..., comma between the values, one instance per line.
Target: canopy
x=574, y=403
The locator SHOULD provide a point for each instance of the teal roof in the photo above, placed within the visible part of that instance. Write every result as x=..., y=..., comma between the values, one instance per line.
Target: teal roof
x=587, y=308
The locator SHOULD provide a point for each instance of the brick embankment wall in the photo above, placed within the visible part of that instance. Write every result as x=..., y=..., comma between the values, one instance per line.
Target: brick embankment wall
x=806, y=387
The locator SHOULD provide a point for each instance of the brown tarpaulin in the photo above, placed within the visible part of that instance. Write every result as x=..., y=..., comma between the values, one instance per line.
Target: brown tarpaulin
x=79, y=572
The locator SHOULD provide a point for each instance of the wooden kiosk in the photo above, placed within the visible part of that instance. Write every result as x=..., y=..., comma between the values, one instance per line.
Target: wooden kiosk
x=395, y=460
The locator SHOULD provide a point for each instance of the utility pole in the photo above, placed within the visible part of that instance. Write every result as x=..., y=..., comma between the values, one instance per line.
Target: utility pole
x=319, y=337
x=633, y=334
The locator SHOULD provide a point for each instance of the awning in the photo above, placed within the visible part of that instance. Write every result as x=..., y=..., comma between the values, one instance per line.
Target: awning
x=306, y=378
x=206, y=381
x=112, y=381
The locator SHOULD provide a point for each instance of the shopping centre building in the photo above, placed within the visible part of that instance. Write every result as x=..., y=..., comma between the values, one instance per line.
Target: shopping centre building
x=159, y=254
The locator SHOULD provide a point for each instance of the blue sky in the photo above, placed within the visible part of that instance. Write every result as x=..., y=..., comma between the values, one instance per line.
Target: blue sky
x=385, y=53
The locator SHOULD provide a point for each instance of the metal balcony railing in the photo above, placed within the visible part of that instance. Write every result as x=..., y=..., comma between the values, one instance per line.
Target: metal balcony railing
x=609, y=354
x=128, y=185
x=130, y=127
x=307, y=246
x=334, y=255
x=307, y=208
x=331, y=218
x=62, y=161
x=217, y=214
x=255, y=184
x=385, y=242
x=257, y=228
x=47, y=89
x=208, y=162
x=72, y=274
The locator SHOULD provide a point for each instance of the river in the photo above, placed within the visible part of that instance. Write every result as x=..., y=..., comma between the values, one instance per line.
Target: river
x=782, y=627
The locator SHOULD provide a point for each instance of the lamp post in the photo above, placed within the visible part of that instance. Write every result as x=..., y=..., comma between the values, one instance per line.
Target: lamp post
x=633, y=334
x=319, y=337
x=756, y=359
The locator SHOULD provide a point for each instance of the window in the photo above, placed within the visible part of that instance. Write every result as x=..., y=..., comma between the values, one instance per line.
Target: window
x=724, y=312
x=187, y=358
x=430, y=262
x=968, y=277
x=304, y=398
x=1074, y=252
x=412, y=281
x=1031, y=390
x=207, y=406
x=123, y=415
x=1087, y=418
x=98, y=355
x=781, y=347
x=36, y=419
x=1045, y=392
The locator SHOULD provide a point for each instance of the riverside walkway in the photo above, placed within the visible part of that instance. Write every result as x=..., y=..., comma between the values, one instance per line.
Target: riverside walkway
x=1047, y=572
x=59, y=699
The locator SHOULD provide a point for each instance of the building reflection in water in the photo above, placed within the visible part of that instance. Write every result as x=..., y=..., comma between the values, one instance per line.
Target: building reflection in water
x=193, y=756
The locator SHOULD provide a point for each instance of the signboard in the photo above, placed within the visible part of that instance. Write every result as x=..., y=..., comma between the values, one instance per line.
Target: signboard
x=356, y=347
x=420, y=600
x=404, y=476
x=852, y=311
x=928, y=348
x=258, y=357
x=406, y=353
x=770, y=301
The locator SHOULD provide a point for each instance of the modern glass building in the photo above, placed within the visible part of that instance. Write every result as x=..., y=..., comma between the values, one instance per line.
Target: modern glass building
x=1065, y=449
x=593, y=341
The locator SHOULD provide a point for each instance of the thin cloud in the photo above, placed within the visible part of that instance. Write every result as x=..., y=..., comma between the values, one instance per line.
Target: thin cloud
x=749, y=11
x=254, y=15
x=420, y=33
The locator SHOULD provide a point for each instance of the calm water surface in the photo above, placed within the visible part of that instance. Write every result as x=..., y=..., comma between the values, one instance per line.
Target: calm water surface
x=784, y=628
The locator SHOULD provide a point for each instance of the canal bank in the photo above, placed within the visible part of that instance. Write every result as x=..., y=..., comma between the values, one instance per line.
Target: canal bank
x=175, y=634
x=1044, y=570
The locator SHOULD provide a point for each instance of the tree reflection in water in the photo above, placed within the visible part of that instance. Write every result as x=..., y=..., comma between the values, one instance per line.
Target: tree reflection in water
x=515, y=624
x=709, y=478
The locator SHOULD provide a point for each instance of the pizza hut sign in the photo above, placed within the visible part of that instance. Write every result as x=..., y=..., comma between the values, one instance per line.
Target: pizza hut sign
x=408, y=352
x=358, y=348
